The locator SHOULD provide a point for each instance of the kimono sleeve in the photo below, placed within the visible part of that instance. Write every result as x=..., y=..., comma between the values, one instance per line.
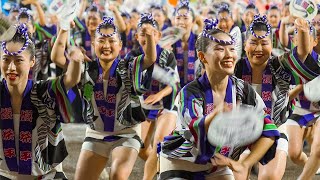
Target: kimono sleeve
x=292, y=63
x=141, y=79
x=55, y=97
x=269, y=130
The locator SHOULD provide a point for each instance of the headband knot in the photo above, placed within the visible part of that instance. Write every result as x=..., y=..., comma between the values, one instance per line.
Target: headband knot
x=211, y=24
x=23, y=30
x=107, y=21
x=147, y=18
x=263, y=20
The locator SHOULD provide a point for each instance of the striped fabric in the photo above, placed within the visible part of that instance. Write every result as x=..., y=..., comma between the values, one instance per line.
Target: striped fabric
x=189, y=141
x=50, y=102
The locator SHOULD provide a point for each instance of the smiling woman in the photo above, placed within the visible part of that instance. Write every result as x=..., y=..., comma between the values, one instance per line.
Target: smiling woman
x=29, y=112
x=187, y=152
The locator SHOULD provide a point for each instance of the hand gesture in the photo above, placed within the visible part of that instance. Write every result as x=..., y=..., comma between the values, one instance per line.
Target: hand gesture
x=75, y=54
x=148, y=29
x=153, y=99
x=302, y=24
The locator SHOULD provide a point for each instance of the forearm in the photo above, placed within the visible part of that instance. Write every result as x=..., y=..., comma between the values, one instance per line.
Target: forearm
x=166, y=91
x=151, y=52
x=283, y=35
x=82, y=8
x=42, y=19
x=303, y=46
x=295, y=92
x=258, y=150
x=57, y=53
x=119, y=21
x=73, y=74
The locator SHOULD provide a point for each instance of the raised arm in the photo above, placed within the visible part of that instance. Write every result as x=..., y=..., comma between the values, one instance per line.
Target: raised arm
x=303, y=41
x=42, y=19
x=118, y=18
x=73, y=74
x=57, y=52
x=83, y=6
x=284, y=31
x=151, y=52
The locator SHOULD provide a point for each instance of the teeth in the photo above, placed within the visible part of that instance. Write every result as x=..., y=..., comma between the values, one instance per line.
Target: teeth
x=227, y=63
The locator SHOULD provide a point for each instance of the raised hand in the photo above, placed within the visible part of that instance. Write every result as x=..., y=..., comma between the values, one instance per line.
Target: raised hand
x=75, y=54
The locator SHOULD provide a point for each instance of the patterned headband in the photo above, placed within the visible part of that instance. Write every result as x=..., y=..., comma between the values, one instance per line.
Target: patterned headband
x=93, y=7
x=212, y=24
x=224, y=7
x=147, y=18
x=183, y=4
x=107, y=21
x=260, y=19
x=23, y=11
x=23, y=30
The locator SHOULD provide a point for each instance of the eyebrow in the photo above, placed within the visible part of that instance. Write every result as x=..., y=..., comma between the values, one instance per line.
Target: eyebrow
x=19, y=56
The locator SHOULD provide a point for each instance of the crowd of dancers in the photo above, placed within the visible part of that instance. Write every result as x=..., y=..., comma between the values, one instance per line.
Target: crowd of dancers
x=110, y=70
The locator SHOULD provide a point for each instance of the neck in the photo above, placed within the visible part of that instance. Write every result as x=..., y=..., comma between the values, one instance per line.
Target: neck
x=257, y=72
x=106, y=66
x=317, y=48
x=17, y=91
x=92, y=33
x=161, y=26
x=186, y=36
x=218, y=83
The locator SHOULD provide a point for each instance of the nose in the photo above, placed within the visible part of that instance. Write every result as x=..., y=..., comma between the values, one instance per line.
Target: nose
x=12, y=66
x=259, y=47
x=106, y=45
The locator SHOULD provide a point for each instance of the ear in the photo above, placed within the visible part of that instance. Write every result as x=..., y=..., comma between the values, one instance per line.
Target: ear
x=32, y=62
x=315, y=42
x=201, y=57
x=136, y=35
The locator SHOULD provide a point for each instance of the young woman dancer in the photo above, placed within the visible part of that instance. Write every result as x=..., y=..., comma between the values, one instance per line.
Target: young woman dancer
x=188, y=153
x=31, y=141
x=107, y=93
x=270, y=76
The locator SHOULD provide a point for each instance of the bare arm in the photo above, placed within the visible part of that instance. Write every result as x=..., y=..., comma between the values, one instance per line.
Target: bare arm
x=57, y=53
x=83, y=6
x=295, y=91
x=73, y=74
x=283, y=34
x=151, y=52
x=303, y=46
x=42, y=19
x=118, y=18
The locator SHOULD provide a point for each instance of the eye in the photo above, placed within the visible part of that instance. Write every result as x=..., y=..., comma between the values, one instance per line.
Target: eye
x=253, y=42
x=232, y=49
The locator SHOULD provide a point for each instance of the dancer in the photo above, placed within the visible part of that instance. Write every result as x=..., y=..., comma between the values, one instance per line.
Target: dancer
x=187, y=153
x=32, y=144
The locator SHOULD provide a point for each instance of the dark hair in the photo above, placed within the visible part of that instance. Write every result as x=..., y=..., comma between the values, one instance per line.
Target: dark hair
x=259, y=26
x=147, y=18
x=202, y=42
x=274, y=7
x=20, y=38
x=160, y=8
x=187, y=8
x=252, y=6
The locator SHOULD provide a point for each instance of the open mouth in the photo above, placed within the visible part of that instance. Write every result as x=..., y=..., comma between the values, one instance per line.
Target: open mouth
x=12, y=76
x=227, y=64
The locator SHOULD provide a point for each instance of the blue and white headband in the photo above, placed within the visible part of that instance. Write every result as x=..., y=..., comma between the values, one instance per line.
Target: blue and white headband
x=212, y=24
x=147, y=18
x=107, y=21
x=183, y=4
x=224, y=7
x=263, y=20
x=23, y=30
x=24, y=11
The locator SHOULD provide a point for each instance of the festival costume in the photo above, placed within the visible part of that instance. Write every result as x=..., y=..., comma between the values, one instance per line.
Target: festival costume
x=189, y=141
x=37, y=133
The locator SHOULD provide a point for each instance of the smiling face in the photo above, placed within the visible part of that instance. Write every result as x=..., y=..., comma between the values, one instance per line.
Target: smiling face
x=185, y=22
x=158, y=16
x=15, y=69
x=273, y=17
x=107, y=48
x=141, y=36
x=219, y=59
x=93, y=20
x=257, y=50
x=225, y=21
